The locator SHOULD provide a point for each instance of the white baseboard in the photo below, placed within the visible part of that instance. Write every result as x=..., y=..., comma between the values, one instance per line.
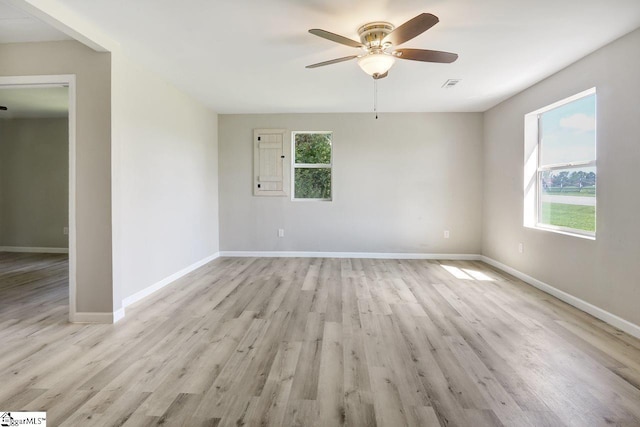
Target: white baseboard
x=369, y=255
x=164, y=282
x=597, y=312
x=118, y=314
x=35, y=250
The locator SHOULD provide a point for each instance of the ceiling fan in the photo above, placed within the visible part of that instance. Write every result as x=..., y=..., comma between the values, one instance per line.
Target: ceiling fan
x=379, y=39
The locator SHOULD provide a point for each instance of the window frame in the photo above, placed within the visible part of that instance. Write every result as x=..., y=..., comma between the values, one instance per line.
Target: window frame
x=295, y=166
x=536, y=170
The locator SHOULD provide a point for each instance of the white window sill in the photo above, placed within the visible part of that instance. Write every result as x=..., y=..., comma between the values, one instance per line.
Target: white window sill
x=564, y=232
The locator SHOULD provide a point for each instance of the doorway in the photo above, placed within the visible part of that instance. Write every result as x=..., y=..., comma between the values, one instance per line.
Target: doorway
x=37, y=191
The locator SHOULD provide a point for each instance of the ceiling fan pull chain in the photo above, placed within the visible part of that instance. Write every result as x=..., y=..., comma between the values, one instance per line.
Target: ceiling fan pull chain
x=375, y=97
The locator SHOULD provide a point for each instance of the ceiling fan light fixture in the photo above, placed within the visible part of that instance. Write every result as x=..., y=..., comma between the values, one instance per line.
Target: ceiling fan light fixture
x=379, y=41
x=376, y=63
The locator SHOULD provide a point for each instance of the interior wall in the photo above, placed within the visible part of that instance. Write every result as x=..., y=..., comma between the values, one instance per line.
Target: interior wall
x=604, y=272
x=93, y=155
x=1, y=175
x=165, y=179
x=398, y=183
x=34, y=176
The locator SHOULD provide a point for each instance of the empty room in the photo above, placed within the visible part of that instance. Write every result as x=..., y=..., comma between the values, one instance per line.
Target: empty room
x=319, y=213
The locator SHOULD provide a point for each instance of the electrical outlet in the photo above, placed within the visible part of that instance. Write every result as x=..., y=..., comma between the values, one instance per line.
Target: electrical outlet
x=446, y=234
x=65, y=231
x=280, y=232
x=521, y=247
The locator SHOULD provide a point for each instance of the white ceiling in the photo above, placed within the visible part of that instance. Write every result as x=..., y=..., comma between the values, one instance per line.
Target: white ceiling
x=248, y=56
x=17, y=26
x=34, y=102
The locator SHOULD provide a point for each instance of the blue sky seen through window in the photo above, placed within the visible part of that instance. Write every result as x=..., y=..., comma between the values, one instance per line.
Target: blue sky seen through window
x=569, y=132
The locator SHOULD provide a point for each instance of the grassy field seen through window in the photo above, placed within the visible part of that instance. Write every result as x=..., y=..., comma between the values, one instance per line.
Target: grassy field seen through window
x=579, y=217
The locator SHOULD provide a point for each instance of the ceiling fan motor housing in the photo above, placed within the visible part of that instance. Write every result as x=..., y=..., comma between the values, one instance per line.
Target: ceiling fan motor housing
x=372, y=34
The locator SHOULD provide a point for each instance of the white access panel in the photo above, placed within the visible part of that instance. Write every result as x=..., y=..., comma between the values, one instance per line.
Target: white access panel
x=269, y=162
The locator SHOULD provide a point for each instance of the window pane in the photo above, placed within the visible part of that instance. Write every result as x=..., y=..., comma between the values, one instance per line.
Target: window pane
x=312, y=183
x=568, y=198
x=568, y=133
x=313, y=148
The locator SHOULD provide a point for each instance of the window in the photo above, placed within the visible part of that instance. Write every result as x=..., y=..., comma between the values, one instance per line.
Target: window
x=312, y=165
x=564, y=155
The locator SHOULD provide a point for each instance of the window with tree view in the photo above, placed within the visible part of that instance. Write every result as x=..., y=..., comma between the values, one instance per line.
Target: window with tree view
x=312, y=163
x=567, y=166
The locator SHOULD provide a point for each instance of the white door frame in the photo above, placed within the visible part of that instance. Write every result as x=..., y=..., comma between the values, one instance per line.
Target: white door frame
x=70, y=81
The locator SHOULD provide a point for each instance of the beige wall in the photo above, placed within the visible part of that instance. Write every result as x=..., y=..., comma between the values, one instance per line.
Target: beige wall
x=604, y=272
x=163, y=164
x=398, y=183
x=93, y=155
x=34, y=182
x=165, y=179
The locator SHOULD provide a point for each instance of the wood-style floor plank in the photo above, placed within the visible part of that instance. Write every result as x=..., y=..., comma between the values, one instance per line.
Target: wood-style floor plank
x=315, y=342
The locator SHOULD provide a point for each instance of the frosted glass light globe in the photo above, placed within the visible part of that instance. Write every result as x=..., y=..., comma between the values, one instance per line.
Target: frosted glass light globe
x=376, y=63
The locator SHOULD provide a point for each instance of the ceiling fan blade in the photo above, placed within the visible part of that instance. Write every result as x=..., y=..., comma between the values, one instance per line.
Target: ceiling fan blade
x=333, y=61
x=410, y=29
x=335, y=38
x=380, y=76
x=426, y=55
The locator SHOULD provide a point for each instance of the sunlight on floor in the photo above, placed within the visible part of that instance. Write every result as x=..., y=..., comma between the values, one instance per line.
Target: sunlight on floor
x=466, y=273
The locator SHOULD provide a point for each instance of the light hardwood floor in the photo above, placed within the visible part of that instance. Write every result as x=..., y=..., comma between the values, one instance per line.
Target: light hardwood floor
x=246, y=341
